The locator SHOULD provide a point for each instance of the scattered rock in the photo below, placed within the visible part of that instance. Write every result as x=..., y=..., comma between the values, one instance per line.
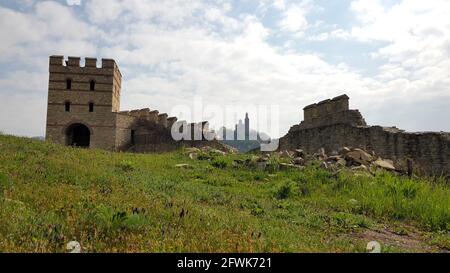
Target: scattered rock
x=192, y=150
x=334, y=158
x=299, y=161
x=217, y=152
x=341, y=162
x=299, y=153
x=344, y=151
x=262, y=159
x=321, y=154
x=334, y=153
x=364, y=155
x=385, y=164
x=360, y=168
x=183, y=166
x=287, y=166
x=356, y=157
x=324, y=165
x=286, y=154
x=206, y=149
x=374, y=247
x=73, y=247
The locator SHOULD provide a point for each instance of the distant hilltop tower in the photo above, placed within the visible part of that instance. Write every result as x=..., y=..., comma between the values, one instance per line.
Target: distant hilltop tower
x=247, y=127
x=82, y=102
x=242, y=130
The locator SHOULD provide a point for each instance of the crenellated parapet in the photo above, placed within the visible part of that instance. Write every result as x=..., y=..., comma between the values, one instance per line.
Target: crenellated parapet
x=148, y=116
x=75, y=62
x=162, y=119
x=171, y=121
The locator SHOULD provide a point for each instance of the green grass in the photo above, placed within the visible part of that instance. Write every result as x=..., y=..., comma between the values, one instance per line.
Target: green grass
x=119, y=202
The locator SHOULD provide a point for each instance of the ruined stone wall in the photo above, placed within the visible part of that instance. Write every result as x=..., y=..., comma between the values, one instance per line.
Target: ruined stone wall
x=352, y=117
x=329, y=112
x=125, y=124
x=151, y=130
x=430, y=150
x=157, y=137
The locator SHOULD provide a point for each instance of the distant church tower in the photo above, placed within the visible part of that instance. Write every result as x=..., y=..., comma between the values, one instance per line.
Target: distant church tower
x=247, y=127
x=83, y=103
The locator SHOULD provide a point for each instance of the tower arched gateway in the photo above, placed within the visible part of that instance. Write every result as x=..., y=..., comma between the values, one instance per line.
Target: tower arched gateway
x=78, y=135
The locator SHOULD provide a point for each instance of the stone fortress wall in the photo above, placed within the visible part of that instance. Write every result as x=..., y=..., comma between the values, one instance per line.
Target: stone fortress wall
x=90, y=96
x=332, y=125
x=84, y=104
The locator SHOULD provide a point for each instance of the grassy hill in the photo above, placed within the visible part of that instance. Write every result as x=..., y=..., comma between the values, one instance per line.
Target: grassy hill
x=118, y=202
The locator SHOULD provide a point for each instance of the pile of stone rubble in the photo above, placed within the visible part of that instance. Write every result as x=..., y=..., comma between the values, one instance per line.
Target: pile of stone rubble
x=351, y=158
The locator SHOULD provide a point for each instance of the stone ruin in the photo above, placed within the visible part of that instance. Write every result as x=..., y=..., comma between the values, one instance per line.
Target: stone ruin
x=151, y=132
x=331, y=125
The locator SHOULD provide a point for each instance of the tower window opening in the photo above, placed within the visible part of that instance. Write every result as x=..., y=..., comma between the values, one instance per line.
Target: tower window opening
x=91, y=107
x=69, y=84
x=92, y=85
x=67, y=106
x=133, y=137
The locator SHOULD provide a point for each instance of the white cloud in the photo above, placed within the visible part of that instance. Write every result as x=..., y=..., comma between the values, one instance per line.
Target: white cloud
x=74, y=2
x=294, y=19
x=98, y=12
x=50, y=28
x=279, y=4
x=171, y=12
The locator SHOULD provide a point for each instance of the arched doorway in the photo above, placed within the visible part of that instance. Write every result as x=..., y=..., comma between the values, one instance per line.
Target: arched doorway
x=78, y=135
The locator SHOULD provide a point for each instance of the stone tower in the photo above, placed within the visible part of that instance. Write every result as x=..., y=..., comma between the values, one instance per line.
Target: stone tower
x=83, y=102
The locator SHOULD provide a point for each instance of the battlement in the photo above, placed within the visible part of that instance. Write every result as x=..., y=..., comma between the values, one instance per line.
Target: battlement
x=58, y=60
x=152, y=116
x=171, y=121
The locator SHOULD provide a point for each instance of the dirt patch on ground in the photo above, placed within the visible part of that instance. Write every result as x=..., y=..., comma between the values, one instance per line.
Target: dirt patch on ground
x=411, y=240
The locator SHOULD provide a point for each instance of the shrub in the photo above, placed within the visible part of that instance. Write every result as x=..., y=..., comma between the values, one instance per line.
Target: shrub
x=126, y=166
x=220, y=162
x=257, y=211
x=285, y=190
x=4, y=183
x=303, y=190
x=349, y=221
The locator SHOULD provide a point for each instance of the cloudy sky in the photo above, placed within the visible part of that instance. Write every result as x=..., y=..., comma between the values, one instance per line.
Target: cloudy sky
x=390, y=56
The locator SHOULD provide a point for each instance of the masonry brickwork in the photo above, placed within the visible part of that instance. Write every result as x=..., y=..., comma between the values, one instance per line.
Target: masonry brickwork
x=332, y=125
x=84, y=110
